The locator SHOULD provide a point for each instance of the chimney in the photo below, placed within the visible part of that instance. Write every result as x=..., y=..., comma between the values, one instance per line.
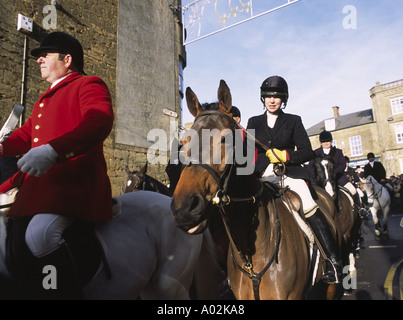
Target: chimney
x=336, y=111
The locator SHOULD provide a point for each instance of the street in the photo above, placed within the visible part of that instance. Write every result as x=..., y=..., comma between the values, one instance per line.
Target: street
x=380, y=265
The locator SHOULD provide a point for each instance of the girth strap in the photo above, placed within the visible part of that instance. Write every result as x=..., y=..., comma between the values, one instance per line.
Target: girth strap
x=248, y=265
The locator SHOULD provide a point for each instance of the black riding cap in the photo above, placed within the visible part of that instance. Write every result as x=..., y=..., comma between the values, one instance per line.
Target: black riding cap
x=235, y=112
x=61, y=42
x=325, y=136
x=274, y=86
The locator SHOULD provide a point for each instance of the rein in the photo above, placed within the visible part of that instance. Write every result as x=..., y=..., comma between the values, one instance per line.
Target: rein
x=222, y=199
x=375, y=194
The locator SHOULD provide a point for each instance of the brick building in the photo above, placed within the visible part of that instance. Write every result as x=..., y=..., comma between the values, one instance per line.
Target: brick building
x=134, y=46
x=378, y=130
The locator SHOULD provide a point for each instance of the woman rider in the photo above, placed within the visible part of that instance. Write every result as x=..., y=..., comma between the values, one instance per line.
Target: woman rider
x=287, y=139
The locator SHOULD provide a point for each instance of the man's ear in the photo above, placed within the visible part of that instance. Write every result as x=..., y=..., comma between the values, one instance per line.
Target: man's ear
x=68, y=61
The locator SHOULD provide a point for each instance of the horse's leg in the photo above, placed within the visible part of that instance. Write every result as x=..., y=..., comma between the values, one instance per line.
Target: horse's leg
x=386, y=210
x=374, y=212
x=351, y=269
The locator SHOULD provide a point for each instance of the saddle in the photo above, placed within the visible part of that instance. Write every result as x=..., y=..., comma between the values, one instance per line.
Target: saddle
x=290, y=197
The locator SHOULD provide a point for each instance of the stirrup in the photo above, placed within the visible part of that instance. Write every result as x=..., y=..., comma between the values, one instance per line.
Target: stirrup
x=331, y=276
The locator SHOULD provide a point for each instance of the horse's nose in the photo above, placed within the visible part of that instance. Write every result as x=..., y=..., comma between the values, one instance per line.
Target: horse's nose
x=192, y=205
x=196, y=203
x=189, y=212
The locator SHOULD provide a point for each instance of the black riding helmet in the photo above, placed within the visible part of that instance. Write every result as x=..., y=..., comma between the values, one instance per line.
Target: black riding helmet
x=274, y=86
x=61, y=42
x=235, y=112
x=325, y=136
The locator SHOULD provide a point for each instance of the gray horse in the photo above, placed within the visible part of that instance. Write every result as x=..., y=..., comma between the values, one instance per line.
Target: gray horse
x=149, y=257
x=379, y=197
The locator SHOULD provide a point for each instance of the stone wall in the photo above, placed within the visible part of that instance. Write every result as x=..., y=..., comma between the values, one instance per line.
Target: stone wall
x=95, y=24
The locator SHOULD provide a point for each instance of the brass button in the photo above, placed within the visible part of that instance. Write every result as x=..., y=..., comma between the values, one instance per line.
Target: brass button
x=41, y=105
x=39, y=115
x=36, y=140
x=37, y=127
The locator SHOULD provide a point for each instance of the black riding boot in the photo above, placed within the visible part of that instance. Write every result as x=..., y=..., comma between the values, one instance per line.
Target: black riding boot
x=324, y=235
x=67, y=283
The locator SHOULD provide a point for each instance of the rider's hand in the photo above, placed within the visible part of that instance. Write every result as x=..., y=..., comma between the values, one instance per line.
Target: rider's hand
x=38, y=161
x=276, y=155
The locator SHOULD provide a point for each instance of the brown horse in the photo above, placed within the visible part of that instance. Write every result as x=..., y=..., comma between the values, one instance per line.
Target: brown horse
x=350, y=221
x=265, y=252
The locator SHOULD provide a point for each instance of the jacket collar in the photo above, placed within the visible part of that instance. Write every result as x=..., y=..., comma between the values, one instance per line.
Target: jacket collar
x=279, y=122
x=62, y=83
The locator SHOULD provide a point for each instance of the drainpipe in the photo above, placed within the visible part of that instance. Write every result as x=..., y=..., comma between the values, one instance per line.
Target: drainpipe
x=23, y=78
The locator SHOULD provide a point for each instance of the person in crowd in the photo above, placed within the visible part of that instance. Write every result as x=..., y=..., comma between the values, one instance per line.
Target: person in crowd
x=236, y=114
x=287, y=143
x=377, y=170
x=63, y=173
x=355, y=180
x=340, y=165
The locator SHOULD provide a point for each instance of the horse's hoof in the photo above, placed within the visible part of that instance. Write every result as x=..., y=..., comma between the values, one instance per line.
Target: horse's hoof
x=348, y=292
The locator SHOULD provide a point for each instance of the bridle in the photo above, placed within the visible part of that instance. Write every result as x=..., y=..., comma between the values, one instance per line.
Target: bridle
x=222, y=199
x=374, y=194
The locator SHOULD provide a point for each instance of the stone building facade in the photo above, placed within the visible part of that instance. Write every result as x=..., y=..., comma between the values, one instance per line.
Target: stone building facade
x=387, y=103
x=378, y=130
x=134, y=46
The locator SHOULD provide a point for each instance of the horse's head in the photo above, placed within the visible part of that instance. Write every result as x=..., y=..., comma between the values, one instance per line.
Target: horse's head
x=325, y=174
x=207, y=154
x=135, y=180
x=369, y=184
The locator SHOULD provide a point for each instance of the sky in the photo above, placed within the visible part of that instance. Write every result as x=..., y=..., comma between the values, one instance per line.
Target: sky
x=327, y=56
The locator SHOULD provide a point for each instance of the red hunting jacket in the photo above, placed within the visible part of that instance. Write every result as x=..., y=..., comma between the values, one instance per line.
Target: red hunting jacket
x=74, y=117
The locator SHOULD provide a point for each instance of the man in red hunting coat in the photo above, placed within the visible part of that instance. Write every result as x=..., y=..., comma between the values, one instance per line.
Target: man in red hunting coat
x=63, y=174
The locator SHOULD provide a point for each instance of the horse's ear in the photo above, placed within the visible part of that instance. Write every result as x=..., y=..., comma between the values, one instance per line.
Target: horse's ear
x=224, y=97
x=127, y=170
x=192, y=102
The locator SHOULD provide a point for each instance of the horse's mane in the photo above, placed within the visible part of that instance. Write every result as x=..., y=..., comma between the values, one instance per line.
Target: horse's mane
x=320, y=175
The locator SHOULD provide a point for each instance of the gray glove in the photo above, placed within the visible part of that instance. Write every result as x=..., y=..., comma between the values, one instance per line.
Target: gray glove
x=38, y=161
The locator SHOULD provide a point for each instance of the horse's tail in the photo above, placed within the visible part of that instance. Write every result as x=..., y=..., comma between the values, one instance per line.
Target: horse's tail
x=209, y=280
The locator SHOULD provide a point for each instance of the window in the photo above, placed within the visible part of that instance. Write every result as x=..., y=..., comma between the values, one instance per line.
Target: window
x=399, y=132
x=355, y=146
x=396, y=105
